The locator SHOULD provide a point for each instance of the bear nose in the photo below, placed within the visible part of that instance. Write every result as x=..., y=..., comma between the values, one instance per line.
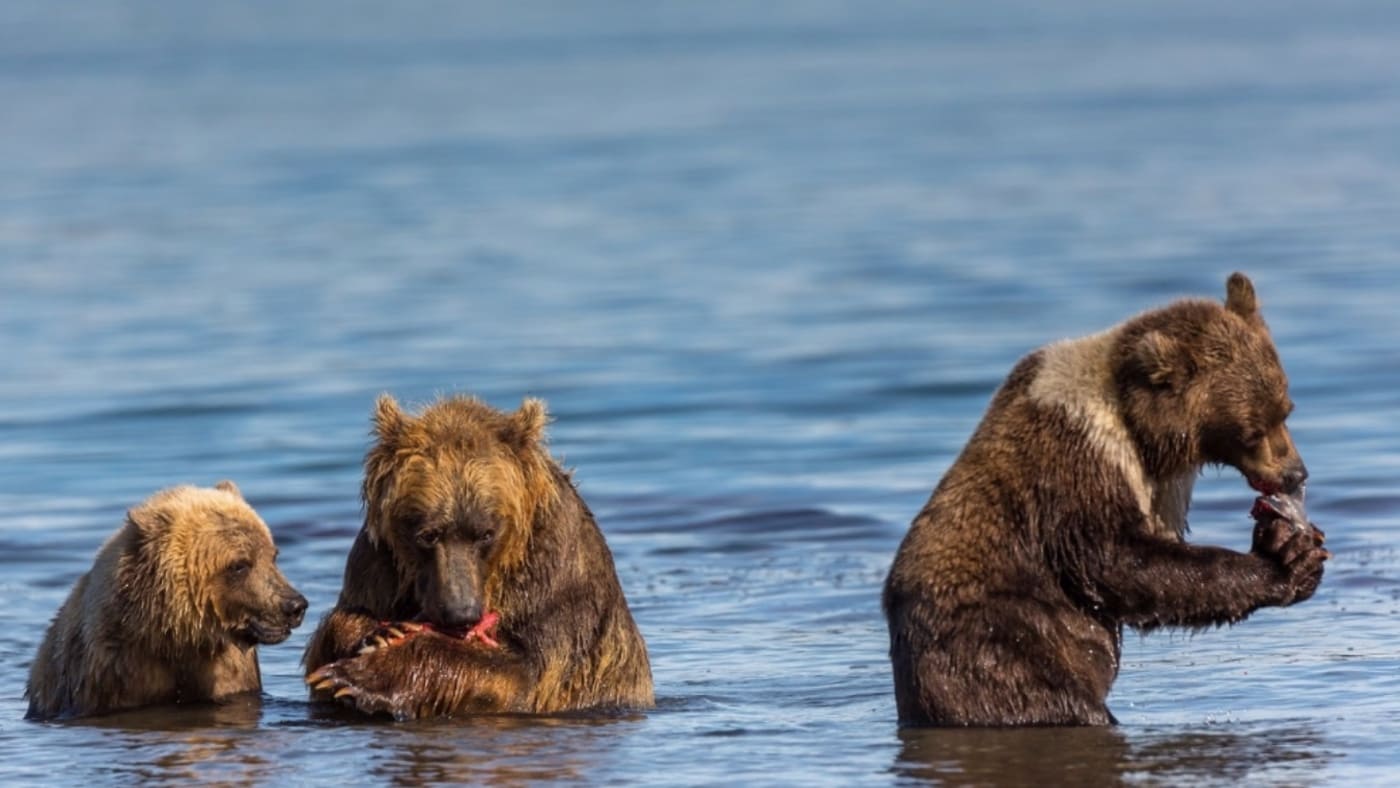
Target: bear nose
x=294, y=607
x=463, y=615
x=1294, y=477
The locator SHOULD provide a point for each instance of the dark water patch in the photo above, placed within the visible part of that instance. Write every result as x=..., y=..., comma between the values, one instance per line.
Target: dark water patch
x=809, y=522
x=727, y=548
x=633, y=411
x=325, y=466
x=191, y=411
x=45, y=549
x=275, y=500
x=290, y=534
x=643, y=513
x=587, y=453
x=313, y=531
x=55, y=581
x=938, y=389
x=762, y=532
x=1360, y=504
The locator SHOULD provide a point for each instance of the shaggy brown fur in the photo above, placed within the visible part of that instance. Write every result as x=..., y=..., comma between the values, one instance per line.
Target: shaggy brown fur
x=171, y=611
x=467, y=516
x=1063, y=518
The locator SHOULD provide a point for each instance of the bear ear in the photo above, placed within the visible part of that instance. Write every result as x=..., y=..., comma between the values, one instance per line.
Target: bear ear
x=148, y=520
x=525, y=427
x=229, y=487
x=389, y=420
x=1161, y=359
x=1240, y=298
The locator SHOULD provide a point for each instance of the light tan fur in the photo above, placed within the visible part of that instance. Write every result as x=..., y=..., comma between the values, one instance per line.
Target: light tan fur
x=151, y=622
x=1077, y=376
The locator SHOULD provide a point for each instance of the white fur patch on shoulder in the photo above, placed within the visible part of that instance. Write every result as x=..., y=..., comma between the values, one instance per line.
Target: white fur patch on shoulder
x=1076, y=375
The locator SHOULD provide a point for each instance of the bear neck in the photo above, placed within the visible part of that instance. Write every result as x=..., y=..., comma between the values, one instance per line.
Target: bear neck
x=1079, y=377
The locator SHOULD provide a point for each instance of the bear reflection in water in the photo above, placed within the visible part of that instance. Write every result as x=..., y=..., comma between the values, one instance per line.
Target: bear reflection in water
x=1088, y=756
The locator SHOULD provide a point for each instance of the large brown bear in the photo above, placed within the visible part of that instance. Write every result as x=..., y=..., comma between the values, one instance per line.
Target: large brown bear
x=171, y=611
x=479, y=581
x=1064, y=517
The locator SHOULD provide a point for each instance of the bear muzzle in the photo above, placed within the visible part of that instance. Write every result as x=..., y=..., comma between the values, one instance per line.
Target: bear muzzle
x=461, y=615
x=277, y=627
x=1289, y=481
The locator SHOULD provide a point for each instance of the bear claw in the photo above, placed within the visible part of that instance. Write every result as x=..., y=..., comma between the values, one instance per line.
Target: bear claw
x=389, y=633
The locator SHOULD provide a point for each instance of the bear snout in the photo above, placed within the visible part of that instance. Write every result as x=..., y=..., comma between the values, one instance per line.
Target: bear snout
x=294, y=608
x=461, y=615
x=1294, y=476
x=274, y=622
x=1288, y=482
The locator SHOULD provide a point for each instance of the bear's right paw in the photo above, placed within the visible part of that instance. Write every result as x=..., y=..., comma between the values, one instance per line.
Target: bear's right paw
x=361, y=683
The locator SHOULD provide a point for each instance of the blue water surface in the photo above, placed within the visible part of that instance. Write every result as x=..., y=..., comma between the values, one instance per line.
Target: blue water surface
x=767, y=263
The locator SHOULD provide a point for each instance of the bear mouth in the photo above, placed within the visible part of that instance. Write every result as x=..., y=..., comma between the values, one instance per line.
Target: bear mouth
x=1281, y=505
x=483, y=630
x=1263, y=486
x=255, y=632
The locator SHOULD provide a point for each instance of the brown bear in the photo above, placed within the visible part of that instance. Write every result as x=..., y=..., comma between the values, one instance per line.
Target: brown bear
x=171, y=611
x=479, y=581
x=1064, y=518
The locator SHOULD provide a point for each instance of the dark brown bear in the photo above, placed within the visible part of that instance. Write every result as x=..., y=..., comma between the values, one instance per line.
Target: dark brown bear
x=1064, y=517
x=171, y=611
x=479, y=582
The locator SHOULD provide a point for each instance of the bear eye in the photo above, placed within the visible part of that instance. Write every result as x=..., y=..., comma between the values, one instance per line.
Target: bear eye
x=429, y=539
x=239, y=569
x=486, y=538
x=1252, y=439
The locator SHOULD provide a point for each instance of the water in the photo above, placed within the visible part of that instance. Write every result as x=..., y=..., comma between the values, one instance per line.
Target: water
x=767, y=264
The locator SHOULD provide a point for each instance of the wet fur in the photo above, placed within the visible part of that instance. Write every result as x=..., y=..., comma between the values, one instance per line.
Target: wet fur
x=568, y=641
x=1064, y=517
x=154, y=621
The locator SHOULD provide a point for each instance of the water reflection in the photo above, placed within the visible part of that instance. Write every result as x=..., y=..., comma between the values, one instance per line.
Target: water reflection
x=1108, y=756
x=1043, y=756
x=496, y=750
x=217, y=742
x=1294, y=753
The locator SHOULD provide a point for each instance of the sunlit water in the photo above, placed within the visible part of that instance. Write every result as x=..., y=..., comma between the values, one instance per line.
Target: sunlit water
x=767, y=263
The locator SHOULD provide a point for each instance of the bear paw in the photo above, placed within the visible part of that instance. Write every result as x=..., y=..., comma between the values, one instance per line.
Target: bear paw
x=393, y=633
x=355, y=682
x=389, y=633
x=1296, y=553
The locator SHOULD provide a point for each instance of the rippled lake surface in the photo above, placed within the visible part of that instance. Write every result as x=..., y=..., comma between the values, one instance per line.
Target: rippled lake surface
x=767, y=263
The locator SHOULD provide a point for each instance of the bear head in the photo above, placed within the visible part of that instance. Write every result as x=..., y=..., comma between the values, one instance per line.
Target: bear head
x=453, y=493
x=207, y=564
x=1201, y=384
